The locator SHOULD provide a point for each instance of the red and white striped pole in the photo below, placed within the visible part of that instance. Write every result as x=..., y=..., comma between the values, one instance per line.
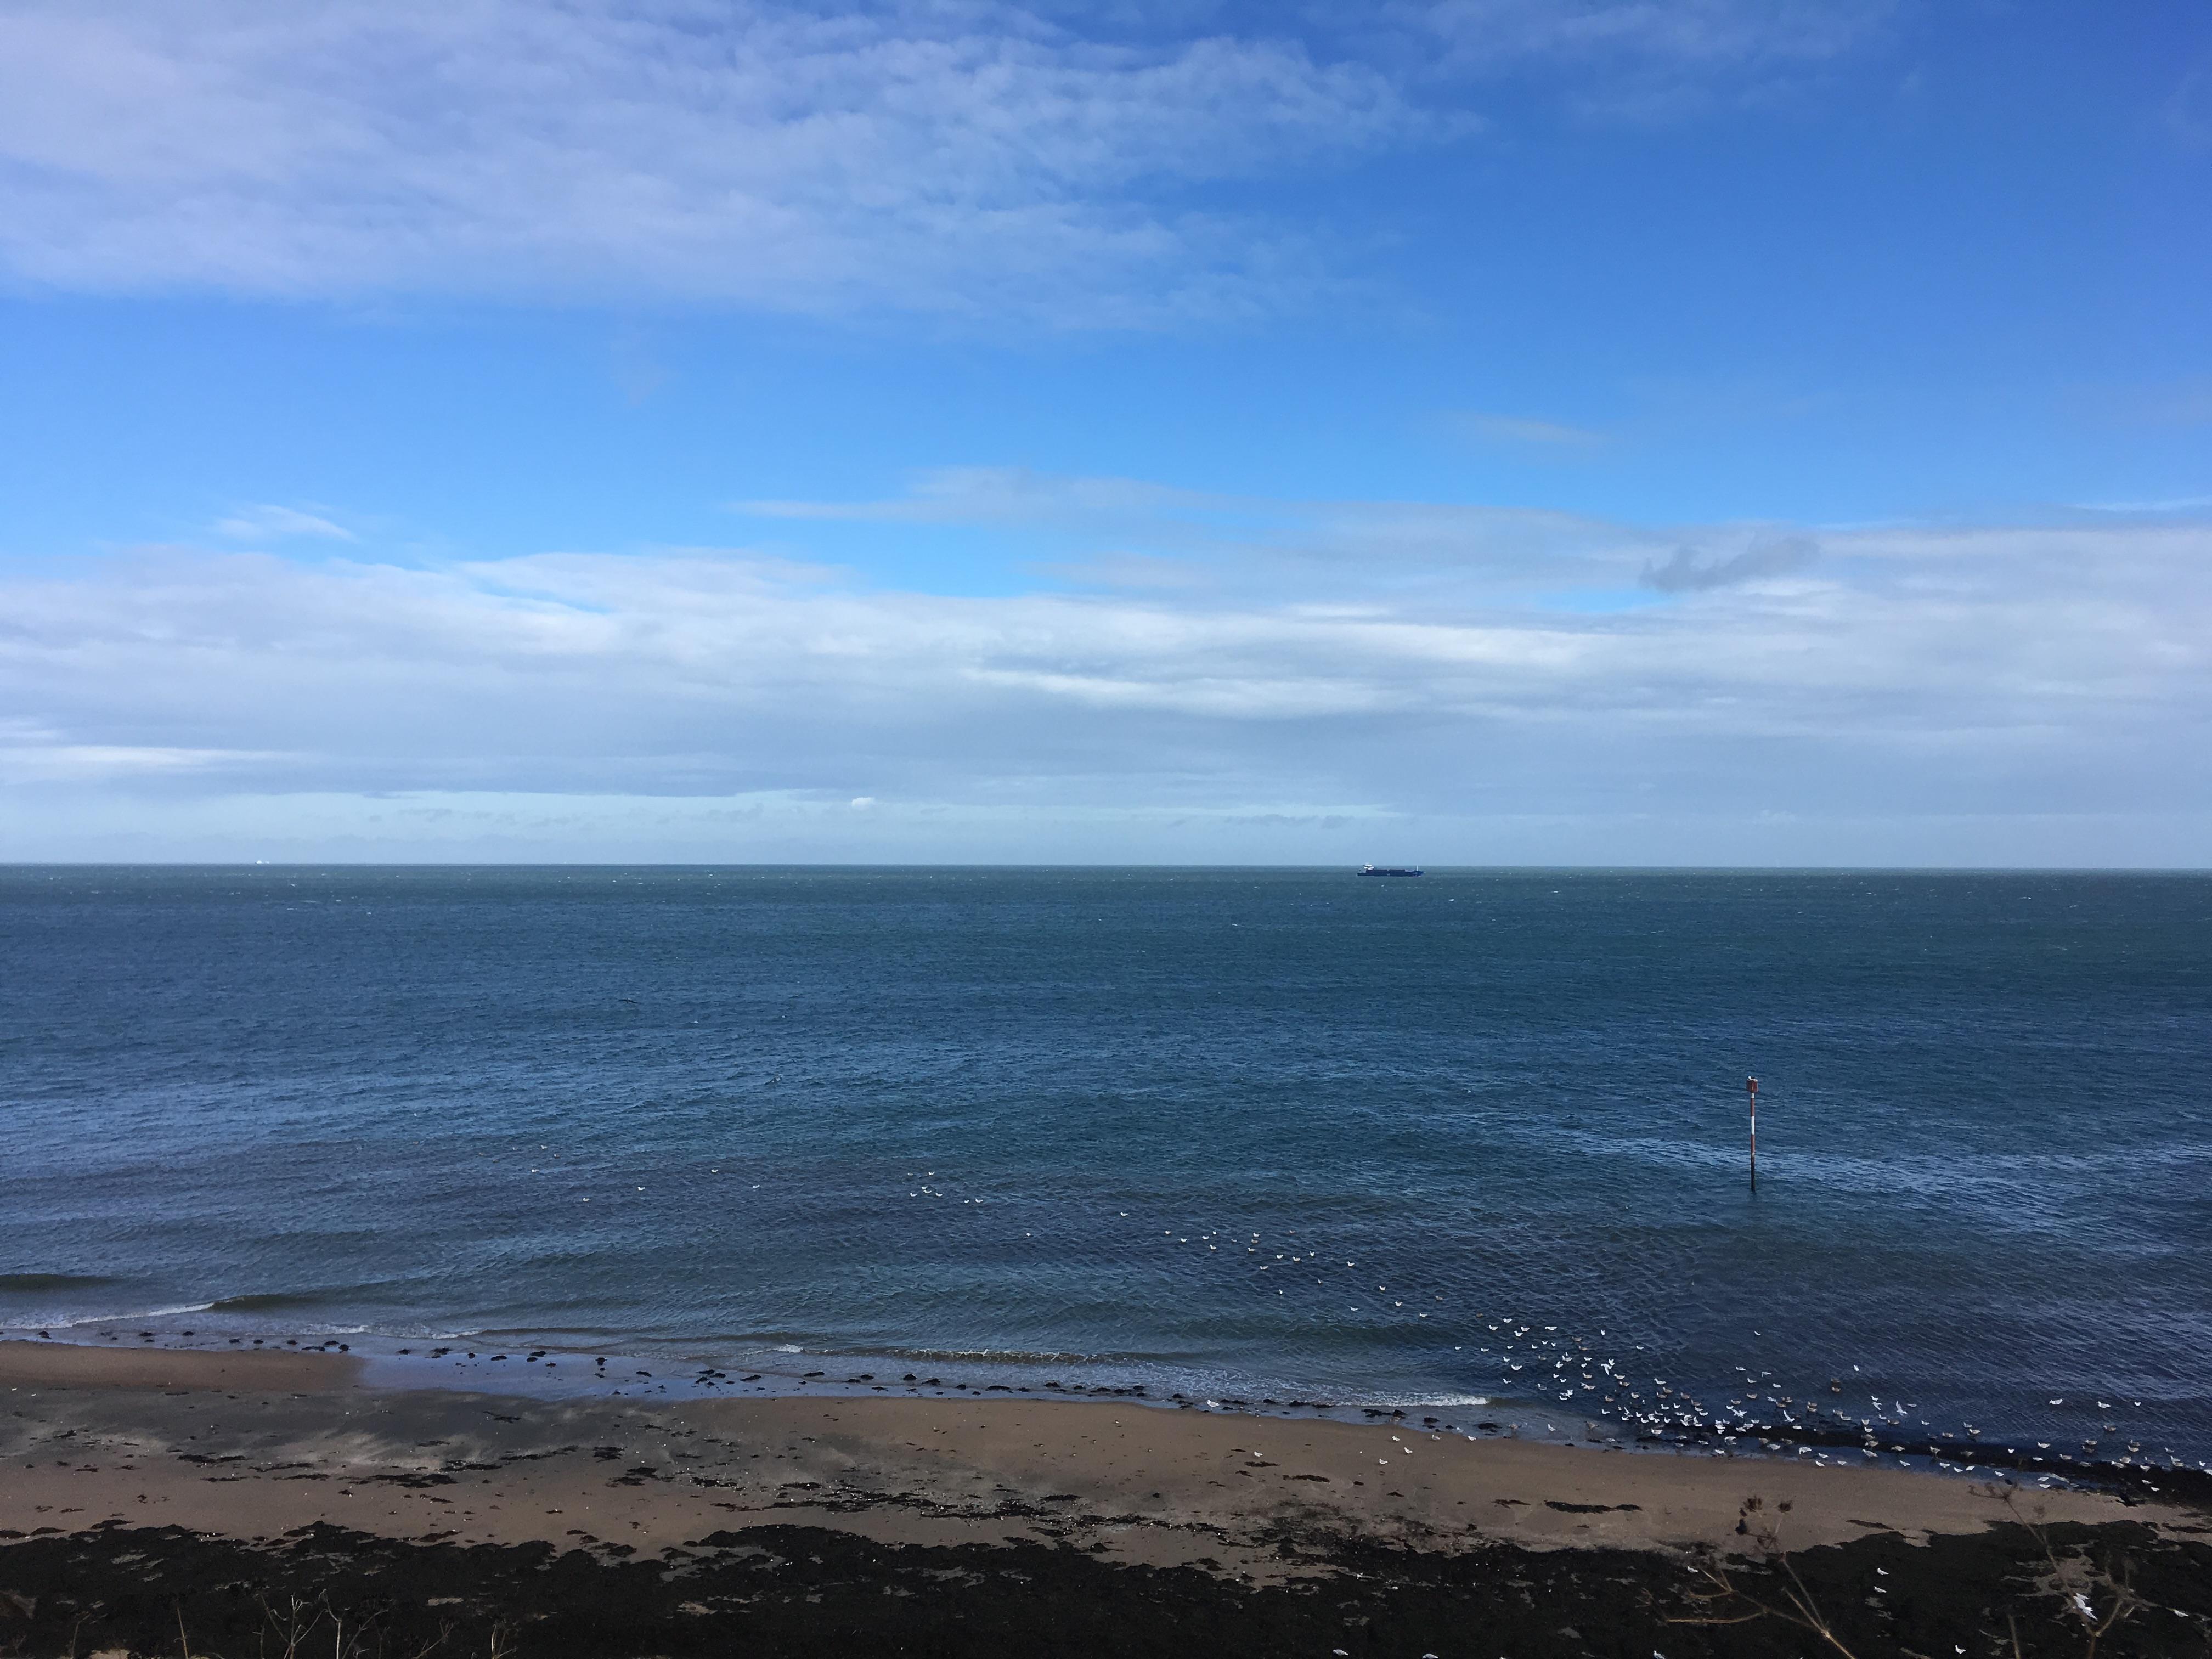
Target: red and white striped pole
x=1753, y=1084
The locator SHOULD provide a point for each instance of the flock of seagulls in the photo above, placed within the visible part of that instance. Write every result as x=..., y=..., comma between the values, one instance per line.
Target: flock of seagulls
x=1596, y=1378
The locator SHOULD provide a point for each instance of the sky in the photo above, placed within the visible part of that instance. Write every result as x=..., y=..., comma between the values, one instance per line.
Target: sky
x=1619, y=431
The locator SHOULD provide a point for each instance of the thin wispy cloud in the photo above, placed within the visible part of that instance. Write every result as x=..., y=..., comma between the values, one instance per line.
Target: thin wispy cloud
x=2186, y=114
x=1129, y=570
x=1711, y=34
x=2181, y=401
x=2172, y=504
x=31, y=753
x=1288, y=545
x=1688, y=571
x=1521, y=429
x=1647, y=63
x=1009, y=496
x=276, y=524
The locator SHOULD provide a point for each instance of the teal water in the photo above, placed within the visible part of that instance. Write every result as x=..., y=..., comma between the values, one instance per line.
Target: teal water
x=1260, y=1132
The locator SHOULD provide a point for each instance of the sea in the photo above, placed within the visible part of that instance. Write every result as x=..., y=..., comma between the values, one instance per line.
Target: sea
x=1477, y=1142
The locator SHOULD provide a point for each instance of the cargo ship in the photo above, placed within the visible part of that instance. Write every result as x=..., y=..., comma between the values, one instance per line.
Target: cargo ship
x=1386, y=870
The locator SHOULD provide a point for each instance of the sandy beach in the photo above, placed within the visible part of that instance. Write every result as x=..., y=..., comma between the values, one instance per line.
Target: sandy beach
x=143, y=1454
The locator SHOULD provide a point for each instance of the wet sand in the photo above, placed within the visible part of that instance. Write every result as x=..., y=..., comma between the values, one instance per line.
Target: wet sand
x=166, y=1455
x=70, y=1365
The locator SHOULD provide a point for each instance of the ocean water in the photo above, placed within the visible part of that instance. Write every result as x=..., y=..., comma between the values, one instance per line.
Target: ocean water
x=1233, y=1133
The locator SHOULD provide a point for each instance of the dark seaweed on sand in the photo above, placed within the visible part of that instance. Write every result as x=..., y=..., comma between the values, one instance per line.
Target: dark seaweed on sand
x=802, y=1591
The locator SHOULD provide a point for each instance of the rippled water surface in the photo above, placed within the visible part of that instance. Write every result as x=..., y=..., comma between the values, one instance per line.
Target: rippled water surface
x=1251, y=1131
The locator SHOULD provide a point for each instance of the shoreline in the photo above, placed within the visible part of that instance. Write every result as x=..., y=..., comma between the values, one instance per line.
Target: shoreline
x=531, y=1373
x=1392, y=1474
x=291, y=1468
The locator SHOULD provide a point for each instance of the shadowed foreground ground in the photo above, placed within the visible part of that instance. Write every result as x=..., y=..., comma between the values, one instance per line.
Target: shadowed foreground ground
x=801, y=1591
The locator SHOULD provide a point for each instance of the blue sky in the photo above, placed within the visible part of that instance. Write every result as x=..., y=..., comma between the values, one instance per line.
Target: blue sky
x=1470, y=430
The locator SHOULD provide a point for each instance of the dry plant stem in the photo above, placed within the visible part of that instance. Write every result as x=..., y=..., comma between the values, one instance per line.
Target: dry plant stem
x=1806, y=1617
x=2123, y=1596
x=1807, y=1614
x=291, y=1629
x=1803, y=1598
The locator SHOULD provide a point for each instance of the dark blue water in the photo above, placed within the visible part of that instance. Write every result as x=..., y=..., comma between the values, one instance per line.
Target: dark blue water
x=1267, y=1132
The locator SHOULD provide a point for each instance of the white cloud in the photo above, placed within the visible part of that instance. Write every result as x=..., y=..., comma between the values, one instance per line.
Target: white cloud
x=980, y=159
x=962, y=158
x=1994, y=673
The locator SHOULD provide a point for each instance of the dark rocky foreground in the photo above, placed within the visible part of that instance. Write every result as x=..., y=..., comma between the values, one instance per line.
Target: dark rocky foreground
x=807, y=1591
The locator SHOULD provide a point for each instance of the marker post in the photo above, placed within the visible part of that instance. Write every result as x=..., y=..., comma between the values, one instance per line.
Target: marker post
x=1752, y=1085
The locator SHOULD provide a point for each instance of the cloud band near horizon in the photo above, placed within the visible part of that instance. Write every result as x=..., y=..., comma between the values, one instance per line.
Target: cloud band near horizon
x=1352, y=670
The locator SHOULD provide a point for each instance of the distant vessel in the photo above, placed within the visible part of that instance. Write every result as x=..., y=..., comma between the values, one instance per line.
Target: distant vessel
x=1385, y=870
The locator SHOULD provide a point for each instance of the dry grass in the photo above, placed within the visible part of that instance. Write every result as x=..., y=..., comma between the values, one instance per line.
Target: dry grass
x=316, y=1630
